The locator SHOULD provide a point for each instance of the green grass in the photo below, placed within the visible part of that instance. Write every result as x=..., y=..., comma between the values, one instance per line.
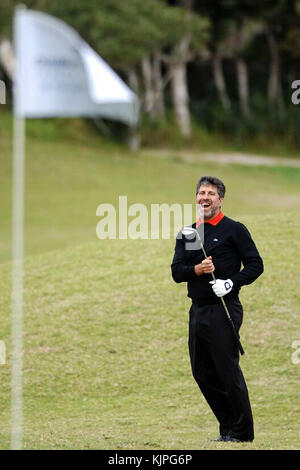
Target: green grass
x=106, y=362
x=67, y=179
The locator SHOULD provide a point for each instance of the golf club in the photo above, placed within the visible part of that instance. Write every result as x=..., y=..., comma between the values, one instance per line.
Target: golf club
x=188, y=232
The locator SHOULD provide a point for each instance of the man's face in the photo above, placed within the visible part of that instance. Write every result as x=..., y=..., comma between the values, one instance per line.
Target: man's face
x=209, y=201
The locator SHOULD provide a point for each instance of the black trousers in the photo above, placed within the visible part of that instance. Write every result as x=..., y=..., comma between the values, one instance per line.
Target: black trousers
x=215, y=365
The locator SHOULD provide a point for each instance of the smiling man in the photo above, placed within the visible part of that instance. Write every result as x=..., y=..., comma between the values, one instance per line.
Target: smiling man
x=213, y=350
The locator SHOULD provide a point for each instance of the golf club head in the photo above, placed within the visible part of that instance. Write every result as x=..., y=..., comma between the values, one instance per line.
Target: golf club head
x=191, y=234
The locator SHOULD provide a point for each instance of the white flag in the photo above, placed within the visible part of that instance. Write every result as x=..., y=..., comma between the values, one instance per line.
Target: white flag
x=59, y=74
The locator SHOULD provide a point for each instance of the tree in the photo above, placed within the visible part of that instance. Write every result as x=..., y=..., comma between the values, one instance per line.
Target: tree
x=277, y=17
x=188, y=34
x=218, y=17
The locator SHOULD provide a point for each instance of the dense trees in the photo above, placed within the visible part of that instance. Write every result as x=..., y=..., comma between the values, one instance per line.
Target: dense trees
x=227, y=61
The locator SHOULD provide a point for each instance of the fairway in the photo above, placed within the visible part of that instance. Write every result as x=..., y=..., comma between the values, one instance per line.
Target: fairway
x=106, y=361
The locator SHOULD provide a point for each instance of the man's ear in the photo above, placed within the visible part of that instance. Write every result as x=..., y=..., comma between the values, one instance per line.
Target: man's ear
x=221, y=200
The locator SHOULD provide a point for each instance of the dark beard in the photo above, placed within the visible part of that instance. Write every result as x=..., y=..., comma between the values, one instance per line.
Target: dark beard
x=212, y=213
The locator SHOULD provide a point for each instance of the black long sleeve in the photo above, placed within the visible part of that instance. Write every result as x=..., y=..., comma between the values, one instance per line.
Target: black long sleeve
x=230, y=245
x=252, y=262
x=181, y=272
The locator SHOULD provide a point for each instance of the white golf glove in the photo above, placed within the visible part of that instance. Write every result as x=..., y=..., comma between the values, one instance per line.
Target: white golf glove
x=221, y=287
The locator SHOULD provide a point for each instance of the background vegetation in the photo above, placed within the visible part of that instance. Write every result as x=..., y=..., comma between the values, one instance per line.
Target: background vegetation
x=222, y=67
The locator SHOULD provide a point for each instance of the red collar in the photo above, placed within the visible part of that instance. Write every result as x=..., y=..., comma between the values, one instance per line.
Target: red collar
x=214, y=221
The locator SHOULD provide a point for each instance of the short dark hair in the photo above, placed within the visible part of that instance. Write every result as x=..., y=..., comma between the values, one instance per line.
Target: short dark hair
x=214, y=181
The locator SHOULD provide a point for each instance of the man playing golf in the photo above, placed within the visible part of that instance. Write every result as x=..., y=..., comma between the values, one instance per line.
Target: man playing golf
x=212, y=270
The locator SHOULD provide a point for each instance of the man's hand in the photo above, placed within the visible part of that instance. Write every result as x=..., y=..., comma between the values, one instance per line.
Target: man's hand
x=221, y=287
x=206, y=267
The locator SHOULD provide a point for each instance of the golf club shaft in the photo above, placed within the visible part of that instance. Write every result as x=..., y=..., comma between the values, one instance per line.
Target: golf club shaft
x=237, y=338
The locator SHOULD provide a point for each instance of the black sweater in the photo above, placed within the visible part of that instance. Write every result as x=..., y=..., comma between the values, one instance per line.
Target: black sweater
x=229, y=244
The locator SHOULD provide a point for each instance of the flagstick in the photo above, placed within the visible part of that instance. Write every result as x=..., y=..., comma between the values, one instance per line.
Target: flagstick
x=17, y=283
